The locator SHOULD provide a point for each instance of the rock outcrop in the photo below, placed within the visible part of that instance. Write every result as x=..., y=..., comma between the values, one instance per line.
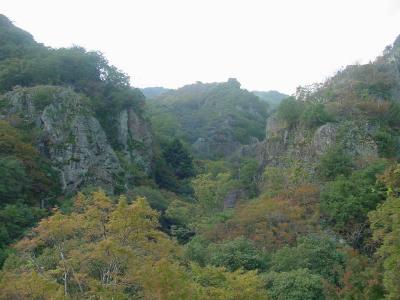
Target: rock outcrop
x=71, y=137
x=135, y=136
x=233, y=197
x=307, y=145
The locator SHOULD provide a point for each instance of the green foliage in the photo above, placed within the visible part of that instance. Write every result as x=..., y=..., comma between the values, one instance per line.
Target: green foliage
x=376, y=81
x=14, y=221
x=247, y=174
x=290, y=110
x=210, y=190
x=320, y=255
x=393, y=116
x=214, y=166
x=238, y=285
x=386, y=229
x=315, y=115
x=239, y=253
x=164, y=176
x=174, y=168
x=197, y=250
x=23, y=62
x=299, y=284
x=220, y=112
x=165, y=126
x=345, y=202
x=23, y=168
x=14, y=41
x=13, y=180
x=26, y=183
x=283, y=180
x=113, y=250
x=30, y=285
x=385, y=223
x=362, y=278
x=43, y=95
x=386, y=142
x=100, y=248
x=236, y=254
x=88, y=72
x=335, y=162
x=155, y=197
x=179, y=159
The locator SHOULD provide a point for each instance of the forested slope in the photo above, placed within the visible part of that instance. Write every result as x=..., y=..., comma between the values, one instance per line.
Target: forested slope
x=273, y=98
x=69, y=121
x=214, y=119
x=301, y=202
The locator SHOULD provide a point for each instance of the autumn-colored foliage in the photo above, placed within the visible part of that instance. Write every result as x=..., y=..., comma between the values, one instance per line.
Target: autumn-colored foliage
x=106, y=249
x=271, y=223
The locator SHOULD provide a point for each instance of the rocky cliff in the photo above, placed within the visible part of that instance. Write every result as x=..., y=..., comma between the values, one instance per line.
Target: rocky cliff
x=284, y=145
x=66, y=131
x=307, y=145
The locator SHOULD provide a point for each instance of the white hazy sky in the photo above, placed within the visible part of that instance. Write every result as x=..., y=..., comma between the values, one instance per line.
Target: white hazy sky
x=265, y=44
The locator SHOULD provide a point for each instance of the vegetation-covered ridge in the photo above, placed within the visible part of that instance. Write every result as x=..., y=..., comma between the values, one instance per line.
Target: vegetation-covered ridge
x=69, y=120
x=226, y=200
x=214, y=119
x=273, y=98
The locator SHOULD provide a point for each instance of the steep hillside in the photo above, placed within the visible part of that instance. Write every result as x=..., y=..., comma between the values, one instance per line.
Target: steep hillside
x=223, y=201
x=344, y=130
x=69, y=121
x=68, y=134
x=328, y=180
x=87, y=119
x=215, y=119
x=358, y=109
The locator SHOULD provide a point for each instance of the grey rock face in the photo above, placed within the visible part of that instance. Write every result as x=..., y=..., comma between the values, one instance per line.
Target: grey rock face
x=305, y=145
x=74, y=141
x=80, y=150
x=232, y=198
x=275, y=127
x=255, y=151
x=134, y=135
x=324, y=137
x=357, y=139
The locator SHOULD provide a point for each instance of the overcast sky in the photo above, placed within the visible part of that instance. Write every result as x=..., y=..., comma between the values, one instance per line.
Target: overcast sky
x=277, y=44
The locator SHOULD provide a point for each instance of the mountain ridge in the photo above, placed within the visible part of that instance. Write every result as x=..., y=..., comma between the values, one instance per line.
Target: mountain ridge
x=203, y=192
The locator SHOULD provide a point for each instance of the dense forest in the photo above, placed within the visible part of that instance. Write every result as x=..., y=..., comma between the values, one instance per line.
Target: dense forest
x=208, y=191
x=213, y=119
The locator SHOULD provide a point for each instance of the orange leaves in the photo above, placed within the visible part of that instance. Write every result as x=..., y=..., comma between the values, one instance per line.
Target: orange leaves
x=272, y=223
x=306, y=196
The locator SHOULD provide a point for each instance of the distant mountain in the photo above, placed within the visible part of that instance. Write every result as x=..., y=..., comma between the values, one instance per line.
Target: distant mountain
x=153, y=92
x=214, y=118
x=272, y=97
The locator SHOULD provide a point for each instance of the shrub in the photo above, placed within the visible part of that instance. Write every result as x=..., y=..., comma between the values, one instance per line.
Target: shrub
x=335, y=162
x=290, y=110
x=295, y=285
x=315, y=115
